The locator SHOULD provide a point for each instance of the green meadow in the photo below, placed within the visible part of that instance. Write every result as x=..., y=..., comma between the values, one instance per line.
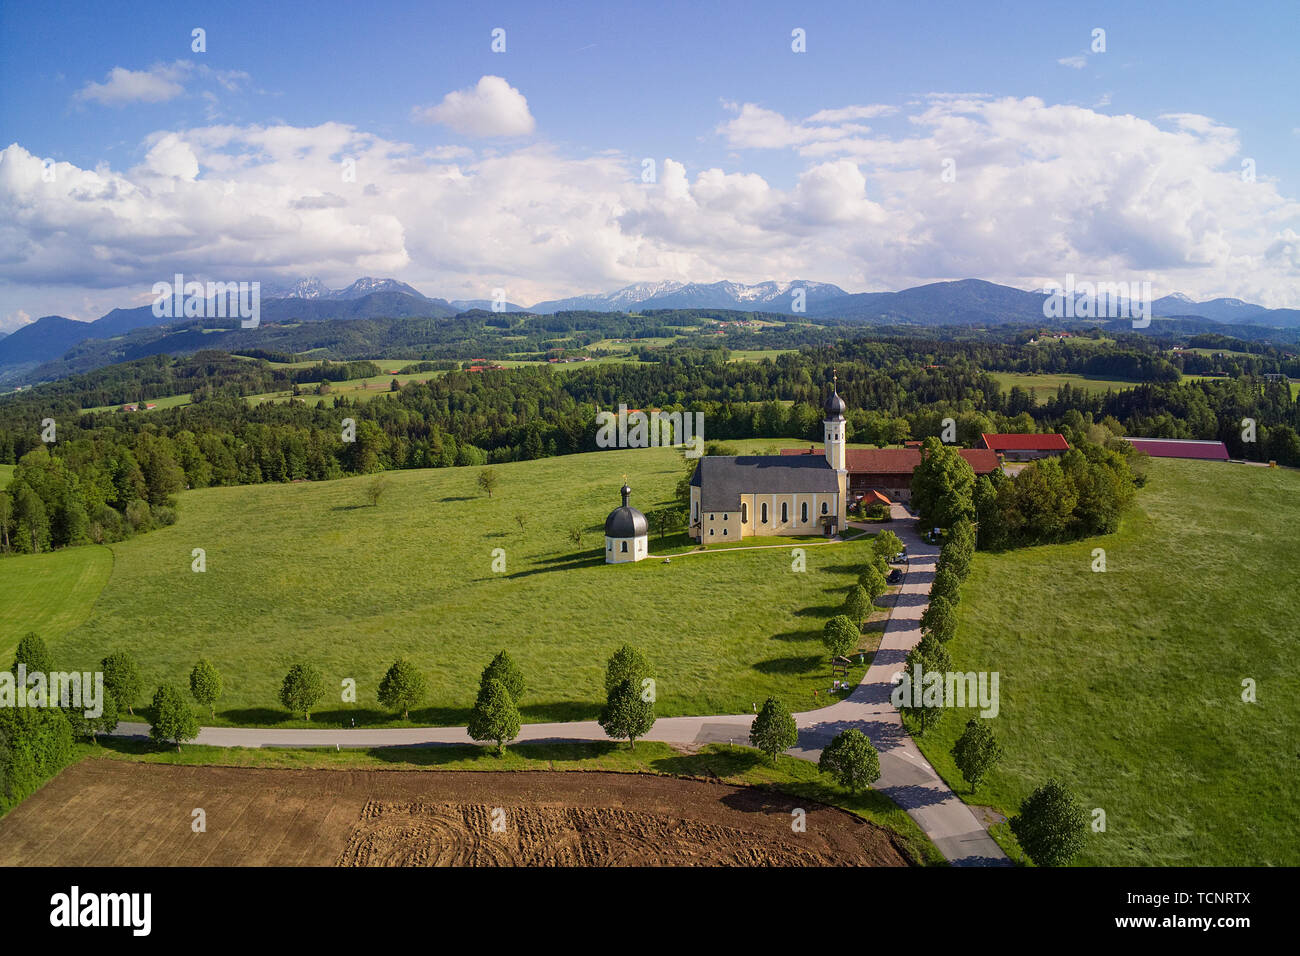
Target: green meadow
x=48, y=593
x=1128, y=684
x=1046, y=386
x=311, y=572
x=170, y=401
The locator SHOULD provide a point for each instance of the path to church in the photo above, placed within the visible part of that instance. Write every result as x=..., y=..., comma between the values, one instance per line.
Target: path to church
x=905, y=775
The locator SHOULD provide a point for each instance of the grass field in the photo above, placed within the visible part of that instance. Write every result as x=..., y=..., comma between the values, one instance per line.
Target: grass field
x=1127, y=684
x=1046, y=386
x=170, y=401
x=758, y=355
x=308, y=572
x=48, y=593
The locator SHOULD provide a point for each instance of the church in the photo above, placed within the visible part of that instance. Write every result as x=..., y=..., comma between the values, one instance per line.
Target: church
x=757, y=495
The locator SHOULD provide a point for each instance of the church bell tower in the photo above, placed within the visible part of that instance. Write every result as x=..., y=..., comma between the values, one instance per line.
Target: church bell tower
x=835, y=457
x=834, y=427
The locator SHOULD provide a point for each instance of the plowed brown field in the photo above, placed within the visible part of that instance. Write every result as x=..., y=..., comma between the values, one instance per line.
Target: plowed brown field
x=115, y=813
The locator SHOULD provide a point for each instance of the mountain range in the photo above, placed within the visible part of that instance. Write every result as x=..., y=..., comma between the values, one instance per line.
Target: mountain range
x=972, y=302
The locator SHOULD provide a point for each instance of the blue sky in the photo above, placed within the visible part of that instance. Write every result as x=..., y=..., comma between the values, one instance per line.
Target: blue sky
x=1134, y=153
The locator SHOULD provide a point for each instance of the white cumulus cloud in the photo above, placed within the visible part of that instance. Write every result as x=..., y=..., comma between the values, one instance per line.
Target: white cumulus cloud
x=492, y=107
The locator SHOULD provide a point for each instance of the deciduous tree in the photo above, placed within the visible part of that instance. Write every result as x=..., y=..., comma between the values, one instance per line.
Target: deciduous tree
x=627, y=713
x=33, y=653
x=774, y=729
x=504, y=669
x=173, y=720
x=627, y=663
x=206, y=685
x=122, y=679
x=857, y=604
x=403, y=687
x=851, y=759
x=840, y=635
x=302, y=687
x=494, y=716
x=976, y=751
x=1051, y=826
x=939, y=618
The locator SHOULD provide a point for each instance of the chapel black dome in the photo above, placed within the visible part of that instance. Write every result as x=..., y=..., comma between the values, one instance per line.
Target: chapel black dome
x=626, y=522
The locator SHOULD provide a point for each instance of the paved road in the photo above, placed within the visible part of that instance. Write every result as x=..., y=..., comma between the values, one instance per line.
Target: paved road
x=905, y=775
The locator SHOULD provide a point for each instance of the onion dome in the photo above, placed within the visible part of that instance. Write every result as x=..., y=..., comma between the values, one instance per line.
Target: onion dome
x=626, y=522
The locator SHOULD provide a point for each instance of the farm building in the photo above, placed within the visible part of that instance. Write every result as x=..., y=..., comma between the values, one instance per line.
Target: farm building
x=1181, y=448
x=889, y=470
x=1026, y=447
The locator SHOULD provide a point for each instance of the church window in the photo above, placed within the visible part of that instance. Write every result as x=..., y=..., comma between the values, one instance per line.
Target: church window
x=744, y=513
x=824, y=507
x=764, y=513
x=803, y=513
x=785, y=512
x=624, y=548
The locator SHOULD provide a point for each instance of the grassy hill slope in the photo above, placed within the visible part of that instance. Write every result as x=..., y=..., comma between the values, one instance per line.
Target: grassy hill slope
x=309, y=572
x=49, y=593
x=1127, y=684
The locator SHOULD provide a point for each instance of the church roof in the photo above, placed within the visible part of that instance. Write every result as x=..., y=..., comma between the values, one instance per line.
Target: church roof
x=722, y=480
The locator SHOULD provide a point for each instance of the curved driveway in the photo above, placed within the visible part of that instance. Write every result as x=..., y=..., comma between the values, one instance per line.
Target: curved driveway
x=905, y=775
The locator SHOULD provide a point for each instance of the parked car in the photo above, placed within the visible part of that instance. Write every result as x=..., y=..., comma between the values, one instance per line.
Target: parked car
x=895, y=575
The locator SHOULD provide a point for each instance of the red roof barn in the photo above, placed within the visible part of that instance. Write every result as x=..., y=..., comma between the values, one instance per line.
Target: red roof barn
x=1024, y=447
x=889, y=470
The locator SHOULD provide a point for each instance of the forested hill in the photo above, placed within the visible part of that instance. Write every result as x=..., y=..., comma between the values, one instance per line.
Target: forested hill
x=895, y=386
x=487, y=335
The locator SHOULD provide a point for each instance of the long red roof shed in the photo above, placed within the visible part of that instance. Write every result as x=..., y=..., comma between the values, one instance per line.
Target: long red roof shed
x=1181, y=448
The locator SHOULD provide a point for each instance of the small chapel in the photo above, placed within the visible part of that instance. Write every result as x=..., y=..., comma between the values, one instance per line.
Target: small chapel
x=627, y=533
